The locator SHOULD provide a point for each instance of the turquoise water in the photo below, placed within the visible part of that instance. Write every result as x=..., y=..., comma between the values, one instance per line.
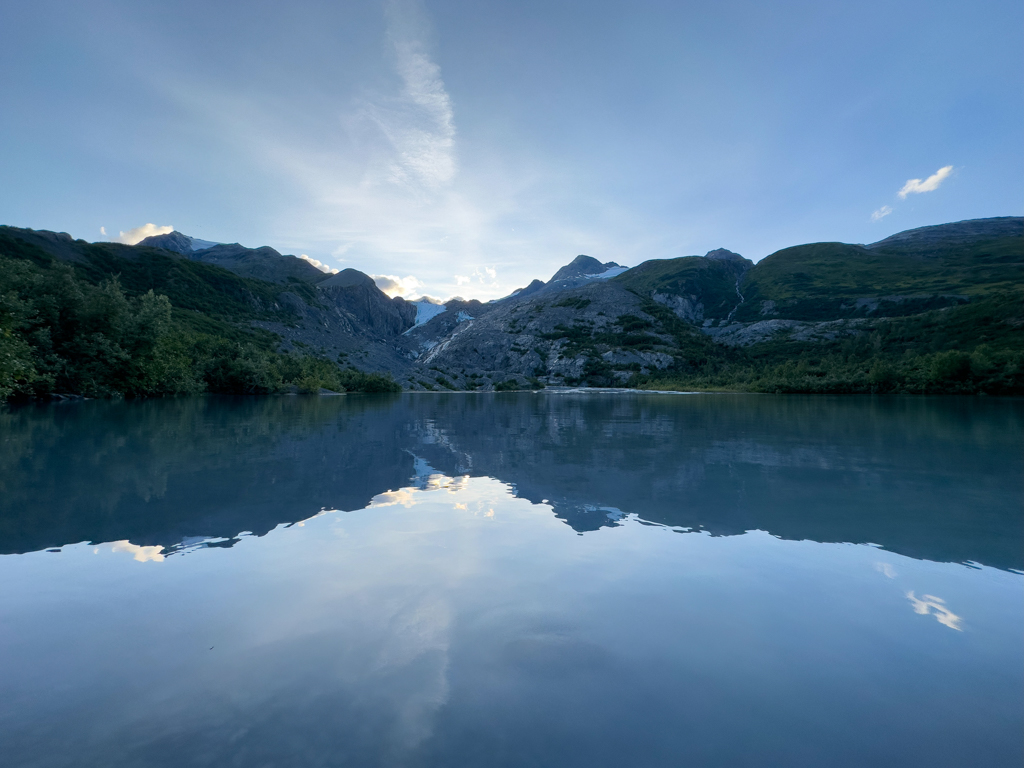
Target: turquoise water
x=573, y=579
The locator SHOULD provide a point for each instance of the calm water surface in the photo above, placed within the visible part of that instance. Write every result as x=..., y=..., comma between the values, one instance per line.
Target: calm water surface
x=513, y=580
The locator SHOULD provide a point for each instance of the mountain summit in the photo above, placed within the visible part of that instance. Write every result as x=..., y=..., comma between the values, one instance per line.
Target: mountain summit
x=177, y=242
x=582, y=266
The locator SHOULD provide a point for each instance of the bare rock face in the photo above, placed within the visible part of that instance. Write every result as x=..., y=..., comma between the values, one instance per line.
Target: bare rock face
x=357, y=296
x=688, y=308
x=598, y=329
x=351, y=320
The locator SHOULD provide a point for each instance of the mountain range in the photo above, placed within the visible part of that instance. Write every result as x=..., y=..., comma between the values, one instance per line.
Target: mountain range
x=932, y=309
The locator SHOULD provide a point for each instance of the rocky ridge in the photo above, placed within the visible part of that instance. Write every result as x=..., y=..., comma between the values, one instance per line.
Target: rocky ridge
x=602, y=323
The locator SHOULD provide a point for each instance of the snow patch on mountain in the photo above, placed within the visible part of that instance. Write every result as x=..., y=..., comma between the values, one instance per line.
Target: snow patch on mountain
x=426, y=310
x=608, y=273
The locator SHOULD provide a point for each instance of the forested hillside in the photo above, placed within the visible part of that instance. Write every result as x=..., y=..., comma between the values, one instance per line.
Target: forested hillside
x=111, y=320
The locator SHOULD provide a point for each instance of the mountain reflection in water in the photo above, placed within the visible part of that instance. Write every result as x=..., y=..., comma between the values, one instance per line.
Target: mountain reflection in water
x=935, y=479
x=587, y=580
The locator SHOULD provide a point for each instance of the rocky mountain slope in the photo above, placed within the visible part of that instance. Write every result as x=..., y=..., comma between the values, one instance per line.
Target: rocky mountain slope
x=929, y=291
x=659, y=316
x=262, y=263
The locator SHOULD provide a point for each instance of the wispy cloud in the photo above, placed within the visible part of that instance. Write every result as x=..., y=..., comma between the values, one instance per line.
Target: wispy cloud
x=881, y=213
x=916, y=186
x=374, y=177
x=886, y=569
x=420, y=122
x=133, y=236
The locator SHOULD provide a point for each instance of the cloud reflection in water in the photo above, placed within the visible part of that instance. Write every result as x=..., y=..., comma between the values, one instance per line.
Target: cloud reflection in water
x=936, y=606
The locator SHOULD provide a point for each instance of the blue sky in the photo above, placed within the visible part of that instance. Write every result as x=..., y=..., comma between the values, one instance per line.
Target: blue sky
x=466, y=148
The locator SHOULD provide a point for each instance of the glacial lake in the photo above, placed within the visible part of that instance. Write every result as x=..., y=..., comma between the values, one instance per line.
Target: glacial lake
x=532, y=579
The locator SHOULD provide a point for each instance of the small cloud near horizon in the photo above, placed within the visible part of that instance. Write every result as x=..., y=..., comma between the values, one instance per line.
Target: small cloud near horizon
x=137, y=235
x=394, y=286
x=881, y=213
x=917, y=186
x=318, y=264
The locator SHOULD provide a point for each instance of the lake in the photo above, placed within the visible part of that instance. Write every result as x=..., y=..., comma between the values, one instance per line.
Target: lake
x=530, y=579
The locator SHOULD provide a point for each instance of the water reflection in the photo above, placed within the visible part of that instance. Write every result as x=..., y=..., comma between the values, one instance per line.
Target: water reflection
x=139, y=554
x=433, y=581
x=931, y=478
x=936, y=606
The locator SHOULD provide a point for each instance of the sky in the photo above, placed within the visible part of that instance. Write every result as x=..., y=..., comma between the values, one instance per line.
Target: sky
x=465, y=148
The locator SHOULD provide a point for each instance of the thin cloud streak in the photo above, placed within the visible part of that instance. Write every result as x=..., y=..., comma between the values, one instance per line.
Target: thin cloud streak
x=421, y=128
x=881, y=213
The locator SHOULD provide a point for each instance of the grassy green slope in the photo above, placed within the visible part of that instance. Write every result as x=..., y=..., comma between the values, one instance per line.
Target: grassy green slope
x=190, y=285
x=819, y=281
x=972, y=348
x=962, y=332
x=713, y=282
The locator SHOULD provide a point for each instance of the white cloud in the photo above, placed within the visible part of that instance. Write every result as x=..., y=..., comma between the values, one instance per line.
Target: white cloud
x=318, y=264
x=881, y=213
x=103, y=231
x=133, y=236
x=393, y=285
x=462, y=279
x=916, y=186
